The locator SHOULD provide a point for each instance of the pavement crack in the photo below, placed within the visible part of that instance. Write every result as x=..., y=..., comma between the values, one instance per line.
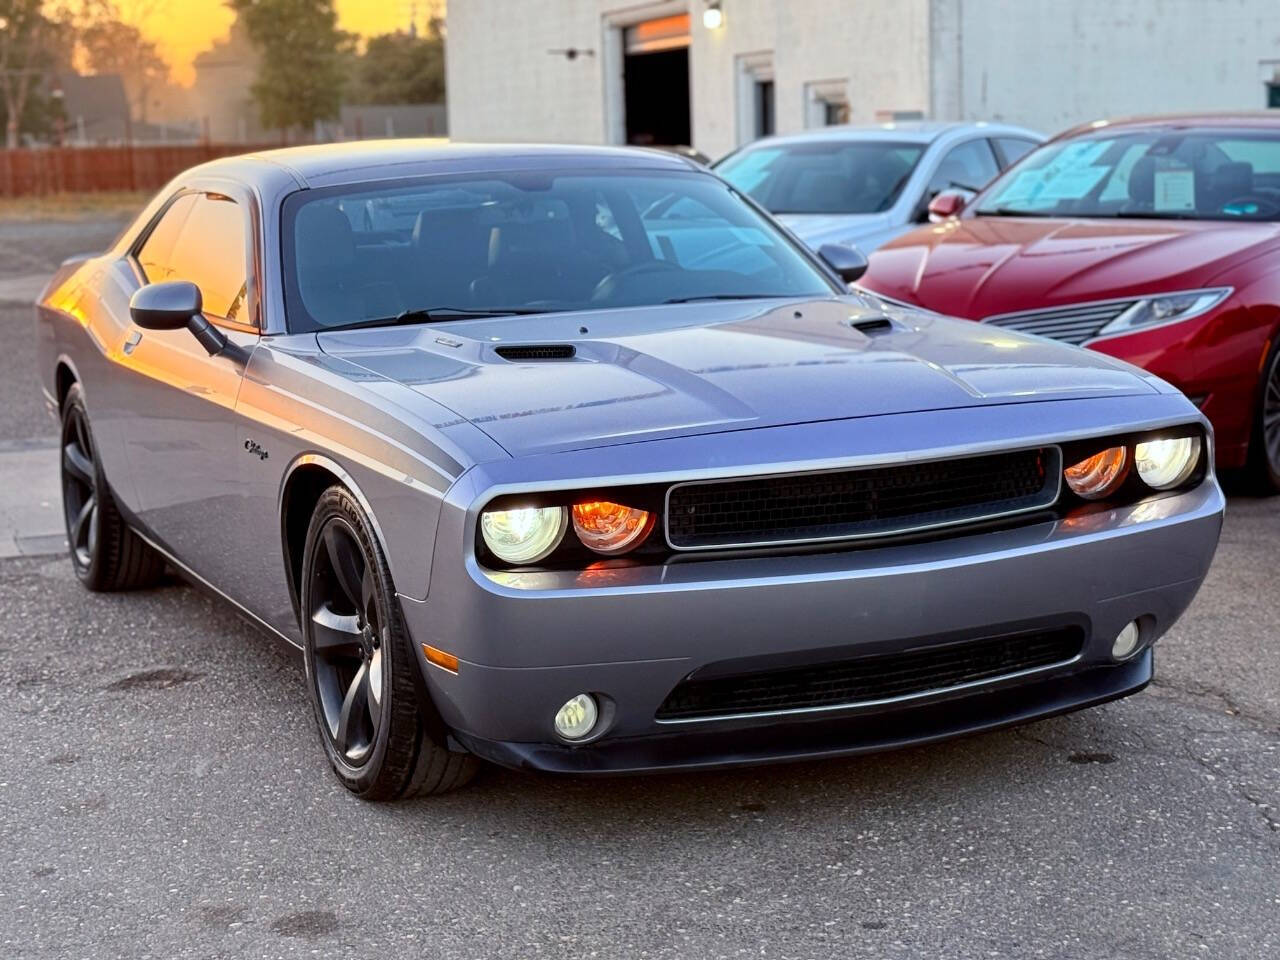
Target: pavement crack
x=1265, y=809
x=1197, y=693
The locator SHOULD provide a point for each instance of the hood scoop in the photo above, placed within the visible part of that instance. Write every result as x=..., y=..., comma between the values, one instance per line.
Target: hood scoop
x=537, y=352
x=873, y=326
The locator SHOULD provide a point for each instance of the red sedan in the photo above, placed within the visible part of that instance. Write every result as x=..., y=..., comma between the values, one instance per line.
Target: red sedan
x=1156, y=240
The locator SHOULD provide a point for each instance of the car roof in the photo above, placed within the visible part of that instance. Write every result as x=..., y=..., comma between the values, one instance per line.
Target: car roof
x=904, y=131
x=1243, y=119
x=355, y=161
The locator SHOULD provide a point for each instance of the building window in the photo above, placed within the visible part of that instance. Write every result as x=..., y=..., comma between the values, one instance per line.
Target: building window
x=826, y=103
x=764, y=108
x=1273, y=95
x=757, y=102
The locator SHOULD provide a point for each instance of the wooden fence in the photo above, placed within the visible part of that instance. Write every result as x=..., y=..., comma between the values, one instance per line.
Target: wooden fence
x=92, y=169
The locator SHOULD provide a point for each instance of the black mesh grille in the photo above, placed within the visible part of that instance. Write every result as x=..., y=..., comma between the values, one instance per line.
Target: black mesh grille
x=550, y=351
x=867, y=679
x=855, y=503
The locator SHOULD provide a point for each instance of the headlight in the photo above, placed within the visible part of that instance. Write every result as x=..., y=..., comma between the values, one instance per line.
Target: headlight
x=525, y=535
x=610, y=528
x=1164, y=464
x=1095, y=477
x=1173, y=308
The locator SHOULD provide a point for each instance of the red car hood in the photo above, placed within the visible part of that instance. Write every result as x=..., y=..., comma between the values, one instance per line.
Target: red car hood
x=981, y=266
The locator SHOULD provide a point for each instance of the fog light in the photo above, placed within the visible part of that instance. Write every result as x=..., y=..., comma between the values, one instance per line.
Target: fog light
x=577, y=718
x=1126, y=641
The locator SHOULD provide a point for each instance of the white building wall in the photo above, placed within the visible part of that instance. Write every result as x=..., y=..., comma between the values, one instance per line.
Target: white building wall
x=504, y=85
x=1052, y=64
x=1047, y=64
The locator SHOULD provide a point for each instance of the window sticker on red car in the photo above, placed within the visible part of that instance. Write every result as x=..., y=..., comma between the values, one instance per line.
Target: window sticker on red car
x=1175, y=190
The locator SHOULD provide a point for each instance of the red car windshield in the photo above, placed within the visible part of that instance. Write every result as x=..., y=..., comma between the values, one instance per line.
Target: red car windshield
x=1159, y=174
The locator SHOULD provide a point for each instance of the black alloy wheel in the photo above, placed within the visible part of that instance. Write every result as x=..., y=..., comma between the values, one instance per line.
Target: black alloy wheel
x=377, y=724
x=105, y=553
x=348, y=636
x=1266, y=441
x=79, y=487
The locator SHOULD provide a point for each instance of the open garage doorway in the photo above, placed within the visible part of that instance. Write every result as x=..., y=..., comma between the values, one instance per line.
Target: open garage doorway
x=655, y=79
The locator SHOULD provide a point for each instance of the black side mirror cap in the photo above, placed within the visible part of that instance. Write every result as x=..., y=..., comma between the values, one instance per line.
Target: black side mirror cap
x=848, y=262
x=178, y=305
x=166, y=306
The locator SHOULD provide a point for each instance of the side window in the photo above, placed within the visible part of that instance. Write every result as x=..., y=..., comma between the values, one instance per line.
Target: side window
x=971, y=165
x=205, y=245
x=154, y=255
x=1014, y=149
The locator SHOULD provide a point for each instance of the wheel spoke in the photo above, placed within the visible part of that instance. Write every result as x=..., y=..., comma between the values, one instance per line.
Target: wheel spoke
x=367, y=606
x=354, y=707
x=83, y=526
x=82, y=436
x=346, y=562
x=333, y=633
x=77, y=465
x=375, y=689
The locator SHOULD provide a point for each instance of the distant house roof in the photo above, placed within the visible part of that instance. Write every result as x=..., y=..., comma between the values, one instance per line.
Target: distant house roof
x=367, y=122
x=95, y=106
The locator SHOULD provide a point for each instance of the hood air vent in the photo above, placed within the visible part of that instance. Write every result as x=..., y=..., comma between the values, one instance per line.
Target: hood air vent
x=537, y=352
x=873, y=326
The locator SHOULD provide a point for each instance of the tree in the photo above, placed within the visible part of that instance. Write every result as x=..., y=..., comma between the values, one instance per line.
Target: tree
x=26, y=54
x=400, y=68
x=111, y=46
x=300, y=68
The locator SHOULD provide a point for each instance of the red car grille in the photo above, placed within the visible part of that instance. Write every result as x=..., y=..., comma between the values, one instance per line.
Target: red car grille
x=1074, y=324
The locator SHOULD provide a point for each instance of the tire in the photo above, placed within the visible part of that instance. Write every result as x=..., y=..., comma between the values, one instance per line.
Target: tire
x=105, y=553
x=377, y=725
x=1264, y=451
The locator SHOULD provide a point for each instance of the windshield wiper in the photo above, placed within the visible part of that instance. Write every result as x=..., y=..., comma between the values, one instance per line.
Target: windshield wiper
x=1014, y=212
x=732, y=296
x=429, y=314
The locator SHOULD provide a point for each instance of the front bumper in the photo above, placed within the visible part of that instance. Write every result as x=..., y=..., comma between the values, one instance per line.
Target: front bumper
x=527, y=643
x=810, y=739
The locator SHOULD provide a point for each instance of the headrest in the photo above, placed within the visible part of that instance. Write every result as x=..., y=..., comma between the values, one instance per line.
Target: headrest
x=1142, y=181
x=1231, y=181
x=324, y=238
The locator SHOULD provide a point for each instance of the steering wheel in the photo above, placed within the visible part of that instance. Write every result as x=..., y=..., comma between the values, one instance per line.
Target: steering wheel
x=1267, y=206
x=609, y=283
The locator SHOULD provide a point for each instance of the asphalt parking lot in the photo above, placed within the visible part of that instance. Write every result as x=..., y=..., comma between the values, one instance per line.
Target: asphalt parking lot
x=164, y=796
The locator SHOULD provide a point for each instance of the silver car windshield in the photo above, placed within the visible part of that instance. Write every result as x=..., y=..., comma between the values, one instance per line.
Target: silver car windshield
x=826, y=176
x=519, y=243
x=1156, y=174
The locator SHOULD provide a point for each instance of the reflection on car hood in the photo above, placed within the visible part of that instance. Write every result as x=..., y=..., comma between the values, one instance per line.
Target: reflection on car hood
x=816, y=229
x=653, y=372
x=983, y=266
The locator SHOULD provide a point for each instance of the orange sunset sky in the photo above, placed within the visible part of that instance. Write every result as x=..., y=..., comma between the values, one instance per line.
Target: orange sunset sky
x=183, y=28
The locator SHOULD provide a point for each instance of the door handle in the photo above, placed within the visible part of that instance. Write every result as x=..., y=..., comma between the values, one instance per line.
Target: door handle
x=135, y=338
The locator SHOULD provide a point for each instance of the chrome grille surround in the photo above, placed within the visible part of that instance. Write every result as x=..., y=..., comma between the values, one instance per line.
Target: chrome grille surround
x=1075, y=323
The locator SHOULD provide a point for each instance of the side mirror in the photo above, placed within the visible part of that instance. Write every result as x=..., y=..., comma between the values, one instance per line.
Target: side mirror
x=947, y=204
x=177, y=304
x=166, y=306
x=848, y=262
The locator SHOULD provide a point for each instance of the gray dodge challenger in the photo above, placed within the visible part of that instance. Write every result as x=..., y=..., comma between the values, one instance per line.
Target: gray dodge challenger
x=573, y=460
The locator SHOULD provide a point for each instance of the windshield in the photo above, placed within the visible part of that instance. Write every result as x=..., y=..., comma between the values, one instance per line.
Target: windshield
x=1202, y=175
x=829, y=176
x=529, y=243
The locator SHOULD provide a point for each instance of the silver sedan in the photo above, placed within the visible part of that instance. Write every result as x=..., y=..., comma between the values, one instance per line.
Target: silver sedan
x=862, y=186
x=571, y=460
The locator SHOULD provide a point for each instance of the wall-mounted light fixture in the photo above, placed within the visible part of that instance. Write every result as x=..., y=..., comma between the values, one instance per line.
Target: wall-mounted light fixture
x=713, y=16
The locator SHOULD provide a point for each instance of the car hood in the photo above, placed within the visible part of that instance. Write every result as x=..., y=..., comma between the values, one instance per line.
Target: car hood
x=653, y=372
x=982, y=266
x=816, y=229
